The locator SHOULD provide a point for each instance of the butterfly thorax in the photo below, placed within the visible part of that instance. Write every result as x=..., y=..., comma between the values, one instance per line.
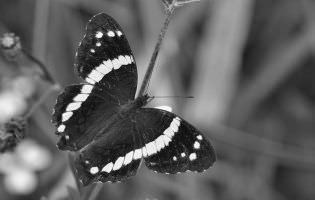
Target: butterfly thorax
x=125, y=112
x=135, y=104
x=141, y=101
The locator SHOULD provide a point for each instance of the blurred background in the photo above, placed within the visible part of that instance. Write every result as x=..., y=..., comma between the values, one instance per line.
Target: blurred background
x=249, y=65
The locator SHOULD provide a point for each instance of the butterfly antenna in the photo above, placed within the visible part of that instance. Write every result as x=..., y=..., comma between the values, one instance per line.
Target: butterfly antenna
x=176, y=96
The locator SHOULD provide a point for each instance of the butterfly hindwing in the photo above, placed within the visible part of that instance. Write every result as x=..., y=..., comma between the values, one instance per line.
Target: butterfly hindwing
x=167, y=143
x=113, y=156
x=172, y=144
x=104, y=56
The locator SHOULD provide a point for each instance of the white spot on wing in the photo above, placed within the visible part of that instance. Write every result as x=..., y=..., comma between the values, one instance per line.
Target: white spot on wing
x=199, y=137
x=80, y=97
x=86, y=89
x=109, y=64
x=174, y=126
x=118, y=163
x=61, y=128
x=89, y=80
x=128, y=59
x=196, y=145
x=94, y=170
x=159, y=143
x=99, y=34
x=151, y=149
x=67, y=137
x=119, y=33
x=108, y=168
x=92, y=50
x=103, y=69
x=176, y=121
x=168, y=132
x=137, y=154
x=128, y=158
x=174, y=158
x=98, y=44
x=183, y=154
x=116, y=63
x=144, y=152
x=96, y=75
x=192, y=156
x=73, y=106
x=111, y=34
x=66, y=116
x=122, y=60
x=166, y=140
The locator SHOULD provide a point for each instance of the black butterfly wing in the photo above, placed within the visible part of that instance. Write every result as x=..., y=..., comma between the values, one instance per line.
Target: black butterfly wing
x=77, y=114
x=167, y=143
x=105, y=61
x=104, y=56
x=113, y=157
x=172, y=144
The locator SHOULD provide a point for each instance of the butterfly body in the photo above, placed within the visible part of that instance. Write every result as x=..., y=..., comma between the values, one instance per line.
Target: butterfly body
x=134, y=105
x=126, y=111
x=110, y=129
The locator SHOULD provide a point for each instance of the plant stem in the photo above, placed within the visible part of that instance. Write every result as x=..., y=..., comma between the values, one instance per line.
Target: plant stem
x=41, y=100
x=146, y=79
x=95, y=191
x=41, y=65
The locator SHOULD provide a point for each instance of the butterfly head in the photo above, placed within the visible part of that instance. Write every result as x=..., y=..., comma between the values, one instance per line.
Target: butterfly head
x=142, y=100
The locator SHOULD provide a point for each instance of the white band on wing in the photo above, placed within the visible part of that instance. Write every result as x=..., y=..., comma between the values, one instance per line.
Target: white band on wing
x=148, y=149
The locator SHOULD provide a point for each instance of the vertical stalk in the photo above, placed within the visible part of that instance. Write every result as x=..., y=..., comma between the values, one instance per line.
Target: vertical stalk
x=41, y=99
x=147, y=76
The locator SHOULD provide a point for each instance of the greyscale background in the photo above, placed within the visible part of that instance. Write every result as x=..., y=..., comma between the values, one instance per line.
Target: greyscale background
x=249, y=65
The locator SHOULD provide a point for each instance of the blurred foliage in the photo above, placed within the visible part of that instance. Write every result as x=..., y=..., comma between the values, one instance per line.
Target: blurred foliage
x=249, y=64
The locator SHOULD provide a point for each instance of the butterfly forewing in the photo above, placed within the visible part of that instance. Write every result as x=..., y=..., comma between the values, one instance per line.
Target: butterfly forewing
x=105, y=61
x=105, y=58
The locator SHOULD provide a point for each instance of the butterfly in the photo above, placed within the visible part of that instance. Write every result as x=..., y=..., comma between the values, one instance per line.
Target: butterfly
x=108, y=127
